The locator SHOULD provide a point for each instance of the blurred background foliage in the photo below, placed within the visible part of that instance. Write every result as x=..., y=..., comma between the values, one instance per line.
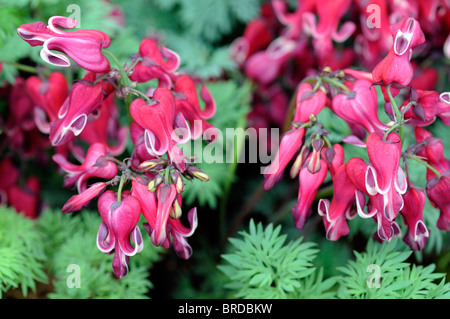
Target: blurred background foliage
x=34, y=255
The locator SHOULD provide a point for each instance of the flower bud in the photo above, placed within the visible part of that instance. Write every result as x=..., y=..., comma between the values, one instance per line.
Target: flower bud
x=197, y=173
x=177, y=180
x=150, y=164
x=153, y=184
x=176, y=211
x=299, y=161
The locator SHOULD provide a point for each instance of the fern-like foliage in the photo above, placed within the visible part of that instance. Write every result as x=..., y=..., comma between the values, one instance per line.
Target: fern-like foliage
x=22, y=258
x=71, y=240
x=263, y=266
x=383, y=273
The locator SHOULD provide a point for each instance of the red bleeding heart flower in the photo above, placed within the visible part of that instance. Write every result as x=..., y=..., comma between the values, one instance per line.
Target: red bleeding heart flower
x=257, y=35
x=105, y=128
x=83, y=46
x=432, y=150
x=25, y=199
x=84, y=99
x=289, y=146
x=94, y=165
x=119, y=225
x=265, y=66
x=437, y=192
x=157, y=62
x=77, y=202
x=188, y=104
x=396, y=66
x=386, y=229
x=326, y=30
x=162, y=125
x=384, y=177
x=47, y=95
x=336, y=214
x=412, y=211
x=309, y=184
x=360, y=107
x=156, y=208
x=428, y=105
x=308, y=102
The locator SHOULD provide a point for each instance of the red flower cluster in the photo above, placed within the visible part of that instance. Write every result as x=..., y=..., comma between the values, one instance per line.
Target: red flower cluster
x=282, y=46
x=380, y=188
x=160, y=120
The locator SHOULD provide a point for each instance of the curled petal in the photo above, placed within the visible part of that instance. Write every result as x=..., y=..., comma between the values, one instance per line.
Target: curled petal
x=290, y=144
x=341, y=204
x=360, y=203
x=77, y=202
x=180, y=233
x=166, y=195
x=308, y=185
x=83, y=46
x=344, y=32
x=105, y=239
x=120, y=264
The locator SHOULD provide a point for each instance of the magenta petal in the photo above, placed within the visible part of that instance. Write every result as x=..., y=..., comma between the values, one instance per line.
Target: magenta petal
x=105, y=238
x=147, y=201
x=360, y=203
x=385, y=159
x=412, y=212
x=354, y=140
x=166, y=195
x=387, y=230
x=345, y=32
x=361, y=109
x=180, y=233
x=159, y=121
x=181, y=133
x=290, y=144
x=83, y=46
x=341, y=204
x=124, y=219
x=308, y=186
x=83, y=100
x=310, y=105
x=77, y=202
x=120, y=264
x=437, y=192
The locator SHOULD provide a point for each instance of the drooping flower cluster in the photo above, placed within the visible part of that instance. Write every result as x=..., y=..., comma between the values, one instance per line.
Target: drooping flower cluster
x=160, y=120
x=379, y=188
x=284, y=44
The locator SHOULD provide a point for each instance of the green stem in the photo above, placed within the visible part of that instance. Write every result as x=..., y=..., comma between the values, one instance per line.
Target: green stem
x=327, y=141
x=123, y=75
x=391, y=129
x=27, y=68
x=398, y=115
x=318, y=83
x=123, y=179
x=133, y=65
x=124, y=82
x=336, y=83
x=431, y=168
x=142, y=94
